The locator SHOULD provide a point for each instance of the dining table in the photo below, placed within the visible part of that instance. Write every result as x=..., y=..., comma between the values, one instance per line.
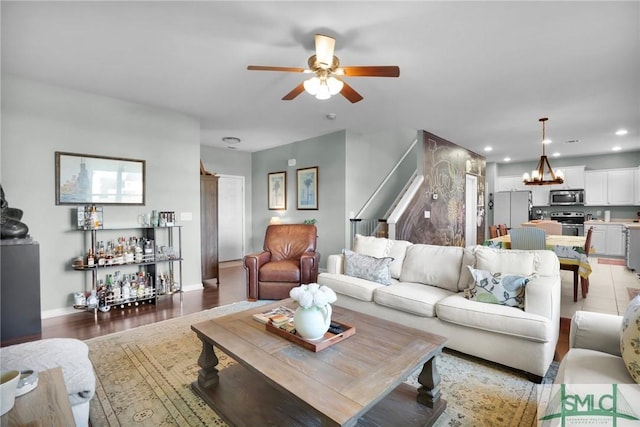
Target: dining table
x=569, y=249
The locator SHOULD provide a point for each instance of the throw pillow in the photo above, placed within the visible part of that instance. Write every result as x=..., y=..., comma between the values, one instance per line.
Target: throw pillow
x=496, y=288
x=630, y=338
x=367, y=267
x=378, y=247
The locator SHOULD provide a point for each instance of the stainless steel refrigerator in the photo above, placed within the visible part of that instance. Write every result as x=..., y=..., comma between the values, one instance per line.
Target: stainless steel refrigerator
x=512, y=208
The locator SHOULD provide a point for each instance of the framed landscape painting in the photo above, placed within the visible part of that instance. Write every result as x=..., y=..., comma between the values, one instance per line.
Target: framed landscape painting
x=307, y=186
x=277, y=191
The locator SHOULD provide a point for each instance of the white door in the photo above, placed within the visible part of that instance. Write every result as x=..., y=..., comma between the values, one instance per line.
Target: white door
x=471, y=210
x=230, y=217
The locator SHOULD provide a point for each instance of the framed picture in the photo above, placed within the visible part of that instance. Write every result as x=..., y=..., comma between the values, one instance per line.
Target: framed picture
x=277, y=190
x=83, y=179
x=307, y=183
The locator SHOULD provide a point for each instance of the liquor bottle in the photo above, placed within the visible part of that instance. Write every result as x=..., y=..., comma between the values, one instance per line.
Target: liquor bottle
x=102, y=260
x=128, y=252
x=109, y=254
x=90, y=258
x=126, y=289
x=138, y=251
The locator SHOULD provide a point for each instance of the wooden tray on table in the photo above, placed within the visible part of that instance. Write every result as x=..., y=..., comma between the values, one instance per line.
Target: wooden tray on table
x=318, y=345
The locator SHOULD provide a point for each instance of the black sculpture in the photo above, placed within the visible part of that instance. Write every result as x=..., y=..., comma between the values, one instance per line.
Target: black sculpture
x=12, y=227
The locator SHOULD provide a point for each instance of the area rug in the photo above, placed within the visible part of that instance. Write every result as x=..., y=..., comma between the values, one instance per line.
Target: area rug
x=611, y=261
x=143, y=378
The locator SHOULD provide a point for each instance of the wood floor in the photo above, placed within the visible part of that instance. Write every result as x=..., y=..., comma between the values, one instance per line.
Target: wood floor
x=232, y=288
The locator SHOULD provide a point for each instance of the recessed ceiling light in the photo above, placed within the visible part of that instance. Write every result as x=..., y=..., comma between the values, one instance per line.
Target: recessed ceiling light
x=622, y=132
x=507, y=159
x=617, y=148
x=556, y=154
x=488, y=148
x=331, y=116
x=230, y=140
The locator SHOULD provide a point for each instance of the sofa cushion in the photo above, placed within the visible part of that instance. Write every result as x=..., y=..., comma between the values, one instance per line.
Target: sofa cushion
x=378, y=247
x=367, y=267
x=413, y=298
x=350, y=286
x=495, y=318
x=630, y=338
x=583, y=366
x=468, y=260
x=508, y=261
x=496, y=288
x=398, y=252
x=433, y=265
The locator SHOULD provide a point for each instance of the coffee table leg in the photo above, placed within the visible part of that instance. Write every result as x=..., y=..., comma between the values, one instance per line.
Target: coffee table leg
x=429, y=391
x=208, y=375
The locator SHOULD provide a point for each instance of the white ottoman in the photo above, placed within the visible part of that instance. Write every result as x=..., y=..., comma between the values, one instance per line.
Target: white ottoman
x=71, y=355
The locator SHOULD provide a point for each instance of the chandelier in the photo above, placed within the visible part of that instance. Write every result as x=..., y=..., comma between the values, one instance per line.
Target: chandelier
x=539, y=176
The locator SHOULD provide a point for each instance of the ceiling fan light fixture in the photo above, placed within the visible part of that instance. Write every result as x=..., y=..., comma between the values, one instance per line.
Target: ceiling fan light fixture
x=335, y=85
x=323, y=91
x=312, y=85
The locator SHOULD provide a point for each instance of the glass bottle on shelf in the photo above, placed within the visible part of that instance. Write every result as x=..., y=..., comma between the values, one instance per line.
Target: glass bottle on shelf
x=90, y=258
x=101, y=254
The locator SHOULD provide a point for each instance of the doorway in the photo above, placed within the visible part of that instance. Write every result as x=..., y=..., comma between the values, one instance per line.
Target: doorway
x=471, y=210
x=230, y=217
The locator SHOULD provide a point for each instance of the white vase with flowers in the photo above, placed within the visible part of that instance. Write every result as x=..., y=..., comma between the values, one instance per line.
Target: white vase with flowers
x=313, y=315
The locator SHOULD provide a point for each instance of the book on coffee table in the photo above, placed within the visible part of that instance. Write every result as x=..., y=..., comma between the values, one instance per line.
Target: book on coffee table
x=278, y=316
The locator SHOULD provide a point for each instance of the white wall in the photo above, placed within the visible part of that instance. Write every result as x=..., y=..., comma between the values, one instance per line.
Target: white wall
x=38, y=120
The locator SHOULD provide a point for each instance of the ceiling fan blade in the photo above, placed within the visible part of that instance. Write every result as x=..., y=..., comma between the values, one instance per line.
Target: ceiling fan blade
x=268, y=68
x=350, y=93
x=372, y=71
x=325, y=46
x=295, y=92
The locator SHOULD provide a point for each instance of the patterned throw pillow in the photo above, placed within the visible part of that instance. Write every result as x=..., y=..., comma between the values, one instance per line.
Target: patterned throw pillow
x=367, y=267
x=630, y=338
x=494, y=288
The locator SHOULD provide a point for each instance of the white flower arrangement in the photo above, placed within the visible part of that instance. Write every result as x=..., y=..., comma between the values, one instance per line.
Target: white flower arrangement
x=313, y=295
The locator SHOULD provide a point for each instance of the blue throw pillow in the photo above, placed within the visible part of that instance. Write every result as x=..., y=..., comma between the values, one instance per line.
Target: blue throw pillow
x=494, y=288
x=367, y=267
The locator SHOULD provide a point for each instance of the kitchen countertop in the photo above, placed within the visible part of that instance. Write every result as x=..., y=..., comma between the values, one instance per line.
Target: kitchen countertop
x=616, y=221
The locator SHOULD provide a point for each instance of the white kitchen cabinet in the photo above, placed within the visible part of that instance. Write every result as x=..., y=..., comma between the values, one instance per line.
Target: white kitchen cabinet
x=511, y=183
x=608, y=239
x=610, y=187
x=573, y=178
x=540, y=195
x=595, y=188
x=620, y=186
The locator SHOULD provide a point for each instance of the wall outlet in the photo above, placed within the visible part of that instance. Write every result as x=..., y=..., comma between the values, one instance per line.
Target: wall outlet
x=427, y=214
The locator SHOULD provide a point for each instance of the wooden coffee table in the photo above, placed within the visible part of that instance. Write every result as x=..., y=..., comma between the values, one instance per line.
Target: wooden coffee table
x=358, y=381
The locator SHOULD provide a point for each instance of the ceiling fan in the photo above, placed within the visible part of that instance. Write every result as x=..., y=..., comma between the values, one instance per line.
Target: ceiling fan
x=326, y=67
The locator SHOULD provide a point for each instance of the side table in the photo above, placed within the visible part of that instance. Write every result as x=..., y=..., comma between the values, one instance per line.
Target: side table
x=47, y=405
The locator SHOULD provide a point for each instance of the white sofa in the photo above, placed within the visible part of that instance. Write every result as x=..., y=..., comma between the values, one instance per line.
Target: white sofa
x=71, y=355
x=426, y=292
x=594, y=355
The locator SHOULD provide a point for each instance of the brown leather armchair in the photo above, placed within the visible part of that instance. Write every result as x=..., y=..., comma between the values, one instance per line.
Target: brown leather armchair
x=288, y=260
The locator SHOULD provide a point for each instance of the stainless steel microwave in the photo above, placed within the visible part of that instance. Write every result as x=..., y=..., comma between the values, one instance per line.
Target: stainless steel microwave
x=566, y=197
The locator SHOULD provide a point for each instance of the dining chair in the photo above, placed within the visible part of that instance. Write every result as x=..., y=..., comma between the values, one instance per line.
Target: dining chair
x=530, y=238
x=493, y=231
x=584, y=283
x=502, y=229
x=550, y=227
